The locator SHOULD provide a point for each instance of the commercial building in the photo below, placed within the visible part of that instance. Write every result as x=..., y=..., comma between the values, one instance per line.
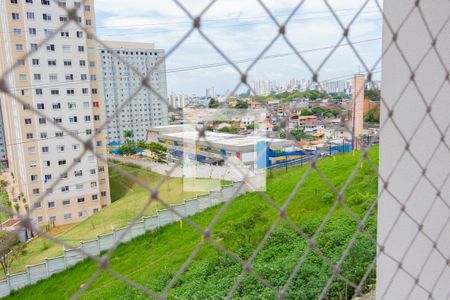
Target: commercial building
x=61, y=81
x=120, y=81
x=183, y=140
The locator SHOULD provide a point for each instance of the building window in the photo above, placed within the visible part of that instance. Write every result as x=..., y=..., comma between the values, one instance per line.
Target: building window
x=56, y=105
x=35, y=191
x=73, y=119
x=67, y=217
x=61, y=162
x=60, y=148
x=52, y=62
x=54, y=92
x=50, y=47
x=19, y=47
x=65, y=189
x=67, y=62
x=80, y=200
x=94, y=197
x=47, y=177
x=43, y=135
x=103, y=194
x=78, y=173
x=82, y=214
x=64, y=34
x=45, y=2
x=59, y=134
x=40, y=105
x=30, y=15
x=34, y=177
x=45, y=149
x=46, y=163
x=28, y=121
x=15, y=16
x=32, y=31
x=66, y=48
x=66, y=202
x=40, y=219
x=51, y=204
x=33, y=164
x=95, y=210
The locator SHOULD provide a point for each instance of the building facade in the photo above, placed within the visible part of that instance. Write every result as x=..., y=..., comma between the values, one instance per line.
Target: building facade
x=59, y=80
x=120, y=81
x=3, y=152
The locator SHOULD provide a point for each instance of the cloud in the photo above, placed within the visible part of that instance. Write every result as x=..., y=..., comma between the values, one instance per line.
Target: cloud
x=242, y=29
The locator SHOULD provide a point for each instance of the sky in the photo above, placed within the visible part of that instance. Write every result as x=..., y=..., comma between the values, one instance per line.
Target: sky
x=242, y=30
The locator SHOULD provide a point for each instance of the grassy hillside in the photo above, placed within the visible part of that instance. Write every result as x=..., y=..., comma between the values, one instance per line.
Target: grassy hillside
x=153, y=259
x=128, y=198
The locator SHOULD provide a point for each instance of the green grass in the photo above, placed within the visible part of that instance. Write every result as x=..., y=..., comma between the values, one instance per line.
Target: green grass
x=128, y=199
x=4, y=201
x=153, y=259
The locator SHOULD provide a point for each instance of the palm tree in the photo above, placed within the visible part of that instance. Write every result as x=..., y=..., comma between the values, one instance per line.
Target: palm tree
x=128, y=135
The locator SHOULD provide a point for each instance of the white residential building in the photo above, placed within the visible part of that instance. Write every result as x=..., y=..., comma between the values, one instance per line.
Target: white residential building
x=60, y=81
x=120, y=81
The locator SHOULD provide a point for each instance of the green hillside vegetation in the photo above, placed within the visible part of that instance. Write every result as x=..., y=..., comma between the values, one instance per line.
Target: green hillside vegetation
x=153, y=259
x=128, y=198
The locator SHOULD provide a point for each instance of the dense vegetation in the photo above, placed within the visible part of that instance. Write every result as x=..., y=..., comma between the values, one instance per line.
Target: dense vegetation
x=153, y=259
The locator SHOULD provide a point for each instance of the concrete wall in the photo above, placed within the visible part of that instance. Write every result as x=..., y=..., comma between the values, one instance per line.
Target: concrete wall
x=413, y=219
x=104, y=242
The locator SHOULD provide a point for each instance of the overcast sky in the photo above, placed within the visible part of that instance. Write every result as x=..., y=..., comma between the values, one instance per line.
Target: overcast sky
x=242, y=29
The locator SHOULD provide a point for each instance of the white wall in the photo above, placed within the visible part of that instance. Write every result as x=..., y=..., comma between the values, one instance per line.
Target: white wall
x=405, y=243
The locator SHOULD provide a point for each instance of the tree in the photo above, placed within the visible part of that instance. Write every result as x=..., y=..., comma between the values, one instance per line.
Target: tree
x=241, y=104
x=317, y=111
x=373, y=94
x=298, y=134
x=213, y=103
x=306, y=112
x=10, y=249
x=128, y=134
x=372, y=116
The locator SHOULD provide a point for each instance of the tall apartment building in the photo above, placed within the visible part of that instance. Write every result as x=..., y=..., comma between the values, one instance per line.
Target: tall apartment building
x=61, y=80
x=146, y=109
x=3, y=152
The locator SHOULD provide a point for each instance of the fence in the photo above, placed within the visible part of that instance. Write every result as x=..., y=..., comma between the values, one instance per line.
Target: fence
x=104, y=242
x=413, y=206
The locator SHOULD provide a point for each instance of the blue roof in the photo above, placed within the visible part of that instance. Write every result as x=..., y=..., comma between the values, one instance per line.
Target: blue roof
x=138, y=150
x=115, y=151
x=114, y=144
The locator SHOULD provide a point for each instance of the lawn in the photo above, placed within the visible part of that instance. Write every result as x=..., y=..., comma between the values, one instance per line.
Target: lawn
x=128, y=199
x=153, y=259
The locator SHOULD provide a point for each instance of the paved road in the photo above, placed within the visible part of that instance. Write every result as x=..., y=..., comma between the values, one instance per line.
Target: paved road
x=227, y=172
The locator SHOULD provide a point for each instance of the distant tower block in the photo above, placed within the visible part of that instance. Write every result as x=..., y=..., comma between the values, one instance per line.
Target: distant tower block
x=358, y=110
